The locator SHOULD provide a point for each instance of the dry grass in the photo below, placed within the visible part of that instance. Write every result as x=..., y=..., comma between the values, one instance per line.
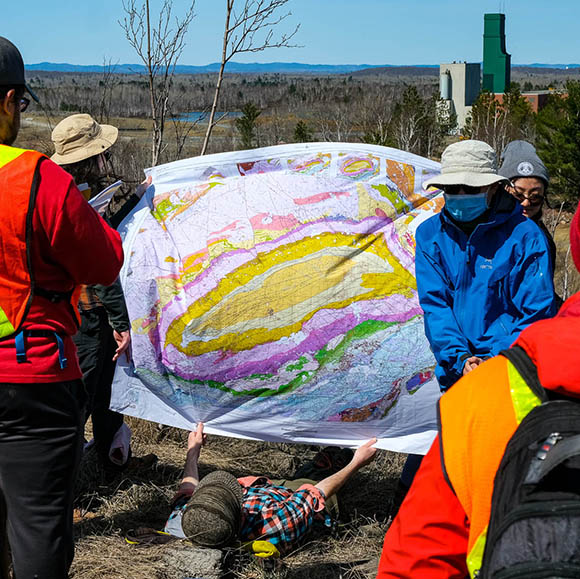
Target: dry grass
x=113, y=507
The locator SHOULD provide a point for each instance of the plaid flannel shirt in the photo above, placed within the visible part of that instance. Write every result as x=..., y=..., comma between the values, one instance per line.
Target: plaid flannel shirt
x=277, y=514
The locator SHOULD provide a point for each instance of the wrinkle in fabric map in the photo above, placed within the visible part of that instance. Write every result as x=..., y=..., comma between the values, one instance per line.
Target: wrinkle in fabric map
x=272, y=296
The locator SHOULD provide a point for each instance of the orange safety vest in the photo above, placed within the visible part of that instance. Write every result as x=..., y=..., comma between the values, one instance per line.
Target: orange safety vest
x=19, y=178
x=477, y=417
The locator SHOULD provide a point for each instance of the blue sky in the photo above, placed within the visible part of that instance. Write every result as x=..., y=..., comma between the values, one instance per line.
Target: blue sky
x=331, y=32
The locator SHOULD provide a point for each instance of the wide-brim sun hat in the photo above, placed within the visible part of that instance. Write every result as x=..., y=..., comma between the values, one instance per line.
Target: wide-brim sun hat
x=79, y=137
x=212, y=516
x=469, y=162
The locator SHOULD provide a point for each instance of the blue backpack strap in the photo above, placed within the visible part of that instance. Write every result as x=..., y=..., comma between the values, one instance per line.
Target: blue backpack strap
x=20, y=344
x=61, y=357
x=20, y=347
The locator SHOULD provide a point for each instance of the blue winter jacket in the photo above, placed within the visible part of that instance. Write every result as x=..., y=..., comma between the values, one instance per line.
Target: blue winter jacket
x=480, y=291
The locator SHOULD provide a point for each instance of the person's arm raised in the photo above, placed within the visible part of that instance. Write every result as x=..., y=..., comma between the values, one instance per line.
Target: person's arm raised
x=190, y=480
x=363, y=456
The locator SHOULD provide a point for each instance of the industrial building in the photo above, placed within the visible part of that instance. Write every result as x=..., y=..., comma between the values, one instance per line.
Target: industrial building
x=461, y=82
x=459, y=86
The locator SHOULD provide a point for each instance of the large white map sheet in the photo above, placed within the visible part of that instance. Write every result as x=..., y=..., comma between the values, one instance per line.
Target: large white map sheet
x=272, y=296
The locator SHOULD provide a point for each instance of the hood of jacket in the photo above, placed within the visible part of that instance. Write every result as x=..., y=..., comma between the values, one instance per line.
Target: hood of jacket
x=554, y=346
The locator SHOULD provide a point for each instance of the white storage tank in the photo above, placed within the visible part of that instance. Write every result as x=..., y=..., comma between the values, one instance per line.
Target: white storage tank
x=445, y=85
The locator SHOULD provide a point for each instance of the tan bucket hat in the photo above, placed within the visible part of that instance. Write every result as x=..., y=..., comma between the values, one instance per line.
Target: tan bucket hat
x=467, y=162
x=79, y=137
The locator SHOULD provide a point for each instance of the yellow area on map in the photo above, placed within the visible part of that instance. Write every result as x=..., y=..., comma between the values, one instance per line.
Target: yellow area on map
x=261, y=301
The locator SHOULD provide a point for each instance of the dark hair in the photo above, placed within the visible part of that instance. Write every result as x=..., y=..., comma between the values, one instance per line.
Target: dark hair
x=18, y=88
x=85, y=171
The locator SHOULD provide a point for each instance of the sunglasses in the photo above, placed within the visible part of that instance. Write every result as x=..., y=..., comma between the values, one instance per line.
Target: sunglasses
x=533, y=200
x=457, y=189
x=23, y=104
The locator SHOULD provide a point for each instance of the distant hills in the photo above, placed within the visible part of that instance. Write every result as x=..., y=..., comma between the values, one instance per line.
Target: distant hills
x=266, y=68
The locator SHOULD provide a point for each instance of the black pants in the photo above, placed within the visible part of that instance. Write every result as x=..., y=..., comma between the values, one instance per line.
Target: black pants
x=41, y=433
x=95, y=348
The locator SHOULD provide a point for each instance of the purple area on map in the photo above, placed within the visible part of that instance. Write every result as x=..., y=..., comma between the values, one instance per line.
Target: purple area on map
x=315, y=334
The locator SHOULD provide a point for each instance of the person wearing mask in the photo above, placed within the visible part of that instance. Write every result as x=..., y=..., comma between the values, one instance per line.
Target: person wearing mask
x=52, y=242
x=483, y=270
x=440, y=530
x=82, y=148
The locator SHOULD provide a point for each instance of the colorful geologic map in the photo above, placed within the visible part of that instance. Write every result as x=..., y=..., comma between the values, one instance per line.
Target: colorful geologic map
x=272, y=296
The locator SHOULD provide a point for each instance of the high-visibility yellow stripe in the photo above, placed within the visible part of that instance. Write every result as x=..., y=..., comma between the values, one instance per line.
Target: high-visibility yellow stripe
x=8, y=154
x=6, y=327
x=523, y=399
x=475, y=557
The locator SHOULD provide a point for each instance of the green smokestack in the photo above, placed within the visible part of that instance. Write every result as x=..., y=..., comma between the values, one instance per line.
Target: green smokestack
x=496, y=61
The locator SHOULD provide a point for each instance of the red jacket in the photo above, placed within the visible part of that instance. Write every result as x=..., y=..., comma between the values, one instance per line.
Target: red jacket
x=70, y=245
x=429, y=536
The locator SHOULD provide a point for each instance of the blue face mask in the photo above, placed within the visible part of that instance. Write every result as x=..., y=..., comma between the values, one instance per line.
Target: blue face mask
x=466, y=207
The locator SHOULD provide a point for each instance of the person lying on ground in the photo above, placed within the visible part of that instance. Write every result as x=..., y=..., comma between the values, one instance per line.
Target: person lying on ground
x=220, y=509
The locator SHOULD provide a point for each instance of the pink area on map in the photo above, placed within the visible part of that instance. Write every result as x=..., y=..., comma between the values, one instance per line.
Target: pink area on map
x=230, y=227
x=274, y=222
x=260, y=166
x=320, y=197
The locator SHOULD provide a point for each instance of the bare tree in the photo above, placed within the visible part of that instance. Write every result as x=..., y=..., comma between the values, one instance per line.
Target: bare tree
x=182, y=130
x=159, y=46
x=338, y=125
x=251, y=29
x=499, y=122
x=566, y=277
x=107, y=85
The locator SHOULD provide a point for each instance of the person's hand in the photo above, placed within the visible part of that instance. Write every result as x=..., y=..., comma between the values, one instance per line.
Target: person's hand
x=365, y=454
x=182, y=494
x=471, y=364
x=123, y=340
x=142, y=187
x=196, y=438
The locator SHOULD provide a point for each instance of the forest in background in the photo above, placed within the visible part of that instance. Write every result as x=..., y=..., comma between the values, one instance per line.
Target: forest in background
x=398, y=107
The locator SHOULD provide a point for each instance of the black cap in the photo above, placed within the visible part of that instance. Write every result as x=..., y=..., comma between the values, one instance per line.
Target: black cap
x=12, y=66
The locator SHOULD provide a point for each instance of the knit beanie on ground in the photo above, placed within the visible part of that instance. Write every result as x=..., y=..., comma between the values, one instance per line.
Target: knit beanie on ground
x=212, y=516
x=519, y=159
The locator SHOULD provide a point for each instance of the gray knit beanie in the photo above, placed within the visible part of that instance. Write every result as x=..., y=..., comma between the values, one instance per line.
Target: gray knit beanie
x=519, y=159
x=212, y=516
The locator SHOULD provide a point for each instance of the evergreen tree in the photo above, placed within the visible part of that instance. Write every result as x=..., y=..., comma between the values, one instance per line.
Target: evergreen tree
x=302, y=133
x=246, y=124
